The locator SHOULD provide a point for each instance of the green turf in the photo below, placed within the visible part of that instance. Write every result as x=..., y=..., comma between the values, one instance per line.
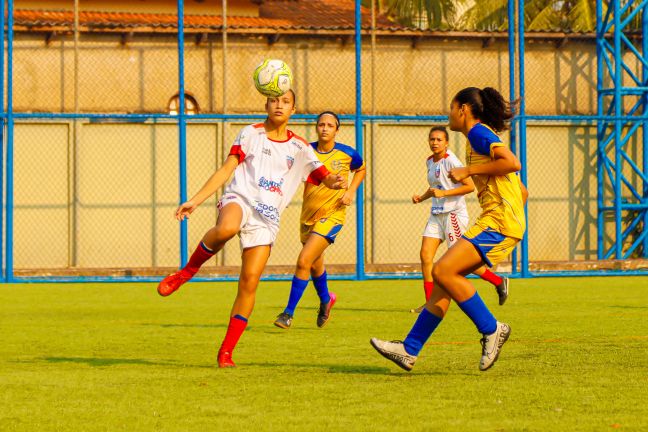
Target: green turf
x=85, y=357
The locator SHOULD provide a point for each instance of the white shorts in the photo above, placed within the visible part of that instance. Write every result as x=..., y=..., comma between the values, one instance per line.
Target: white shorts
x=447, y=226
x=255, y=230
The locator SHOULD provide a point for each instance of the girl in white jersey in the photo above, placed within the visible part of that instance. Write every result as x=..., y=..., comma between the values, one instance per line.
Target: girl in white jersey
x=449, y=214
x=268, y=162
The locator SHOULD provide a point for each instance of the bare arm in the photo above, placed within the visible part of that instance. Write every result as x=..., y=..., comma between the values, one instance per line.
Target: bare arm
x=358, y=177
x=504, y=162
x=467, y=186
x=334, y=181
x=525, y=192
x=215, y=182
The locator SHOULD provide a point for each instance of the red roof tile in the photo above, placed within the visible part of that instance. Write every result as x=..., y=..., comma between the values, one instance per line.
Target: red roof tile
x=274, y=15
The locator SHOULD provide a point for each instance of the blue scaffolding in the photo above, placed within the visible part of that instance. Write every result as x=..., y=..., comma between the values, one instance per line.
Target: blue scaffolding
x=622, y=117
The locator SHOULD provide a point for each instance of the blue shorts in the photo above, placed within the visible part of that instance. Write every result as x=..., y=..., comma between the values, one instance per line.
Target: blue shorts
x=493, y=246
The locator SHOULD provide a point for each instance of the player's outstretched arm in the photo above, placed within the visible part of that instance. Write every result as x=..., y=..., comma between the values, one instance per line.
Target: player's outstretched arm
x=424, y=196
x=334, y=181
x=215, y=182
x=504, y=162
x=467, y=186
x=358, y=177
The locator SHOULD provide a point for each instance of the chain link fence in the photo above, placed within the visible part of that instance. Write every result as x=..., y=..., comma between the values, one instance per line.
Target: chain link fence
x=98, y=193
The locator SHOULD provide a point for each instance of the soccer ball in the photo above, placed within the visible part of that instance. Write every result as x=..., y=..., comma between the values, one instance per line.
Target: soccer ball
x=272, y=78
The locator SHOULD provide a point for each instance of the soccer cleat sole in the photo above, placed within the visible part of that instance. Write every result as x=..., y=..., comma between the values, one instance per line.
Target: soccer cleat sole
x=281, y=326
x=388, y=357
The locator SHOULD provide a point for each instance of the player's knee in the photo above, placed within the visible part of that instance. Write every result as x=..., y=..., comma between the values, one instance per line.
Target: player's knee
x=426, y=257
x=248, y=283
x=439, y=271
x=304, y=263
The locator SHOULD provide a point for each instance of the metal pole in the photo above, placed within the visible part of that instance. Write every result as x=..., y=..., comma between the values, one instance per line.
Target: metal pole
x=512, y=133
x=223, y=131
x=360, y=244
x=523, y=156
x=644, y=52
x=182, y=132
x=618, y=111
x=10, y=145
x=601, y=127
x=2, y=133
x=372, y=203
x=74, y=213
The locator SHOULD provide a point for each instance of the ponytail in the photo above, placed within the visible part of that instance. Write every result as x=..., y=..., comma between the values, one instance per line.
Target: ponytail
x=487, y=105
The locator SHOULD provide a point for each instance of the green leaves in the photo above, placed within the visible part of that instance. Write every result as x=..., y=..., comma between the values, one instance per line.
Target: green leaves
x=490, y=15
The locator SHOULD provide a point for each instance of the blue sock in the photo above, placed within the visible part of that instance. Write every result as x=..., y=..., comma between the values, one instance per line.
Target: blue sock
x=296, y=291
x=240, y=317
x=425, y=324
x=477, y=311
x=321, y=285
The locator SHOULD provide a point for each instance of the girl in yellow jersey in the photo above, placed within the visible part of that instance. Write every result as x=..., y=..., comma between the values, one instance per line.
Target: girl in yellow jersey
x=478, y=114
x=322, y=218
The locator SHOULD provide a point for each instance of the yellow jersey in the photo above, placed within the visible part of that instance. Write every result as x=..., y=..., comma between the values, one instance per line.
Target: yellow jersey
x=500, y=197
x=321, y=202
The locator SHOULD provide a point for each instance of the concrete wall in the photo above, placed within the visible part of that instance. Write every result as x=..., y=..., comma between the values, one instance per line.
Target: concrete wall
x=141, y=76
x=103, y=194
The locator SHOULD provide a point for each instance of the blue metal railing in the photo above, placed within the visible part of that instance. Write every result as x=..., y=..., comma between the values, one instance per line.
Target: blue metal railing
x=518, y=139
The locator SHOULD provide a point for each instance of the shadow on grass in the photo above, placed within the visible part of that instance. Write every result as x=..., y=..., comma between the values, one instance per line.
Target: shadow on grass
x=186, y=325
x=95, y=361
x=628, y=307
x=343, y=369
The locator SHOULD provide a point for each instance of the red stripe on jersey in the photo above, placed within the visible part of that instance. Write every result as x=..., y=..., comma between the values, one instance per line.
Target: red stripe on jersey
x=258, y=125
x=318, y=175
x=236, y=150
x=289, y=133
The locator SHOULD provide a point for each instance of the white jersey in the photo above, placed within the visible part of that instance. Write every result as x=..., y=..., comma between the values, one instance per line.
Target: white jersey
x=269, y=172
x=438, y=178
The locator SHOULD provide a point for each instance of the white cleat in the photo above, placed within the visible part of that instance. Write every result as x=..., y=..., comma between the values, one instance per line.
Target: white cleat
x=394, y=351
x=503, y=290
x=492, y=345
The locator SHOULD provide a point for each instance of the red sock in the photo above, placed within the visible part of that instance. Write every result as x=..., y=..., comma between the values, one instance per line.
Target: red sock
x=198, y=258
x=428, y=287
x=235, y=329
x=491, y=277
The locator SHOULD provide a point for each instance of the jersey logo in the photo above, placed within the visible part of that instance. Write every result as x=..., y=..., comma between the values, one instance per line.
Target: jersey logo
x=335, y=165
x=271, y=185
x=437, y=171
x=289, y=161
x=266, y=151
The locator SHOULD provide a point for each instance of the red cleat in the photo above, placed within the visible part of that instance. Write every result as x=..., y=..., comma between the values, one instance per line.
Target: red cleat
x=171, y=283
x=225, y=359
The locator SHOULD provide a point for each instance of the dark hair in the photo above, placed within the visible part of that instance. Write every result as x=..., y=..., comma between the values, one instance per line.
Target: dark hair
x=289, y=91
x=440, y=129
x=487, y=105
x=331, y=113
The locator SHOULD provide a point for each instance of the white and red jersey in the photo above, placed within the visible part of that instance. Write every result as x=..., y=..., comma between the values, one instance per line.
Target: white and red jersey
x=269, y=172
x=438, y=178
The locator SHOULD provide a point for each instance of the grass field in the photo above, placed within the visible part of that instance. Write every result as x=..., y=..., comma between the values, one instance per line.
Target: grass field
x=85, y=357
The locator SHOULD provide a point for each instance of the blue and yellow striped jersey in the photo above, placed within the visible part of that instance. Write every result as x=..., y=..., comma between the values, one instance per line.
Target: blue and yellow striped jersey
x=321, y=202
x=500, y=197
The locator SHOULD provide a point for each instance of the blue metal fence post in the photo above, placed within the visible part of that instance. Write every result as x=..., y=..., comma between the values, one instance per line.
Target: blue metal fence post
x=618, y=111
x=182, y=133
x=512, y=133
x=2, y=136
x=10, y=146
x=644, y=51
x=360, y=211
x=522, y=156
x=600, y=131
